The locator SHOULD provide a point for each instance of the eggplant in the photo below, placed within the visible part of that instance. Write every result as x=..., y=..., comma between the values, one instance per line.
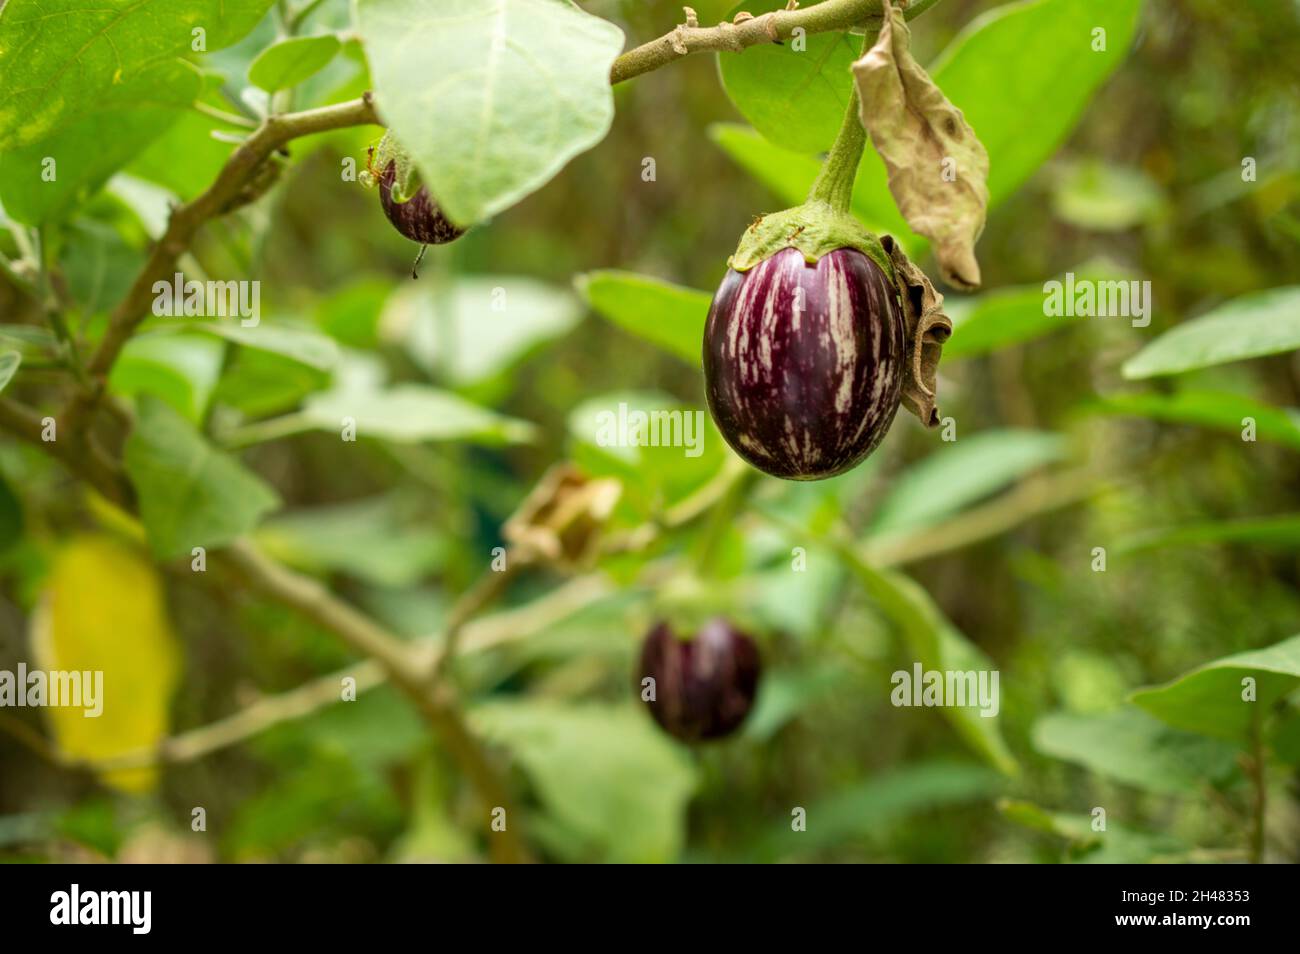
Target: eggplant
x=419, y=218
x=804, y=362
x=703, y=687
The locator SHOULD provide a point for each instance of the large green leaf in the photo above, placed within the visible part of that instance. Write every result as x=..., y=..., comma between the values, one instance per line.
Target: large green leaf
x=1209, y=699
x=61, y=57
x=612, y=784
x=290, y=61
x=491, y=97
x=1129, y=746
x=938, y=646
x=190, y=494
x=1265, y=322
x=1219, y=410
x=89, y=87
x=45, y=180
x=1023, y=73
x=962, y=473
x=670, y=316
x=795, y=94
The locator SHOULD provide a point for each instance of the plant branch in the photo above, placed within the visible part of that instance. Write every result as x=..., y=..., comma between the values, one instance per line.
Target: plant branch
x=400, y=663
x=747, y=31
x=1259, y=786
x=227, y=192
x=81, y=455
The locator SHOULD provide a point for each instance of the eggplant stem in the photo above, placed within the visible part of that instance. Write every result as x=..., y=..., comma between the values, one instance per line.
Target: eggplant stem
x=834, y=184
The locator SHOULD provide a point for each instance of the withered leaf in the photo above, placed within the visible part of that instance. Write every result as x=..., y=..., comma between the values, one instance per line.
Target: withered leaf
x=938, y=168
x=561, y=520
x=927, y=329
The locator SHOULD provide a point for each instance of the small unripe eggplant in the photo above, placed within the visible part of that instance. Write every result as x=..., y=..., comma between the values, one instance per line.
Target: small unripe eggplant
x=702, y=687
x=419, y=218
x=804, y=363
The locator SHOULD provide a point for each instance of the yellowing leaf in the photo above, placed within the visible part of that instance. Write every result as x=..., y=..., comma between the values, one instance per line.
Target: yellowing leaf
x=938, y=169
x=103, y=611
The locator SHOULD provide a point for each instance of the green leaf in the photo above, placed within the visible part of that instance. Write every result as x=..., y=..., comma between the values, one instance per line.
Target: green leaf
x=491, y=97
x=44, y=181
x=938, y=646
x=98, y=85
x=1209, y=699
x=478, y=326
x=304, y=345
x=1023, y=73
x=69, y=55
x=610, y=781
x=795, y=98
x=1278, y=530
x=290, y=61
x=670, y=316
x=9, y=361
x=962, y=473
x=411, y=413
x=1218, y=410
x=180, y=369
x=190, y=494
x=1265, y=322
x=1129, y=746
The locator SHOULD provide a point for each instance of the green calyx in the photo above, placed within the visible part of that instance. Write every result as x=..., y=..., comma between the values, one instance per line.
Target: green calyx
x=815, y=229
x=406, y=178
x=823, y=223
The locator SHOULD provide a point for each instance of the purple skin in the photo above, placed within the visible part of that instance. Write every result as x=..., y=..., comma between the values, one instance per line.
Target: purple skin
x=704, y=687
x=419, y=219
x=808, y=393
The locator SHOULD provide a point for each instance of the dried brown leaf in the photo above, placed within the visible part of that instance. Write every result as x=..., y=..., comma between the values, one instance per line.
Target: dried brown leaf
x=927, y=329
x=938, y=168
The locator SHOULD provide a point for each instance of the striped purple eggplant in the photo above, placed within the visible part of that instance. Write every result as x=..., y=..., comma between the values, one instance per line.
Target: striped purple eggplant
x=419, y=219
x=803, y=364
x=703, y=687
